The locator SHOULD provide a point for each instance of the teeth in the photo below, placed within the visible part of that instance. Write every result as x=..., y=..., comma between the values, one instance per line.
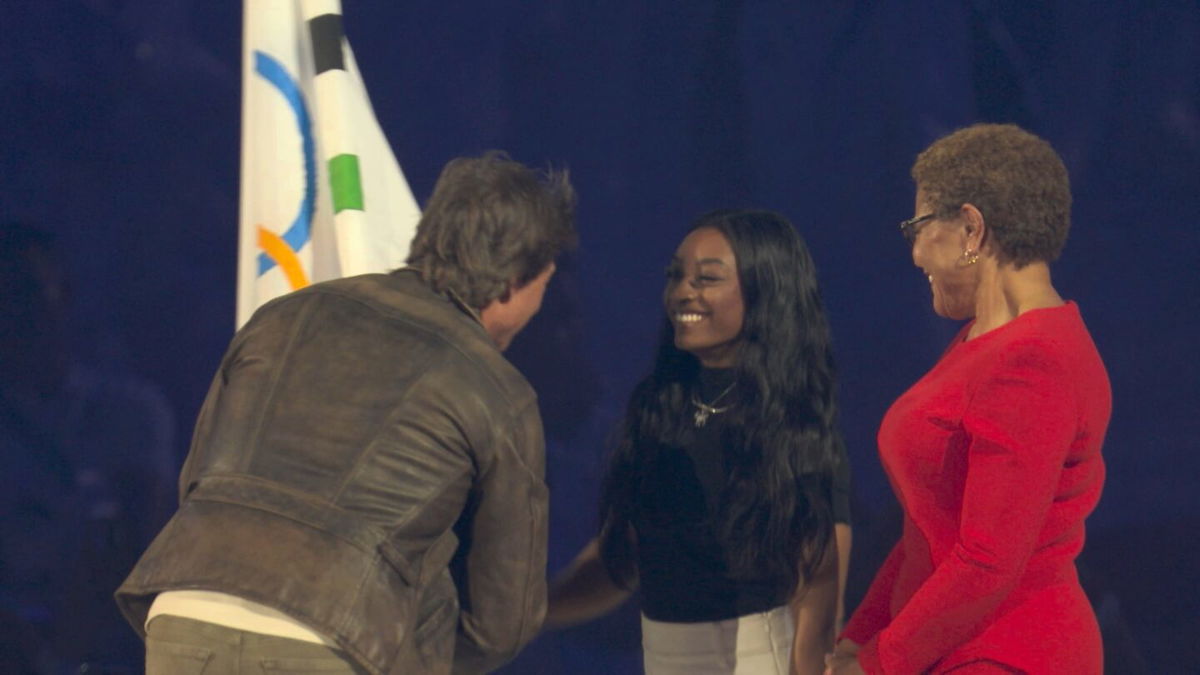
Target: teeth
x=687, y=318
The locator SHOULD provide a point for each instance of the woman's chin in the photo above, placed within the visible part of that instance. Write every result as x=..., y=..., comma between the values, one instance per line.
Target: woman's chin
x=955, y=311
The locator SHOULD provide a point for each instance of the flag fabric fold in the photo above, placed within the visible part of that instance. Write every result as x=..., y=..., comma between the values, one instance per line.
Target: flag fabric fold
x=322, y=195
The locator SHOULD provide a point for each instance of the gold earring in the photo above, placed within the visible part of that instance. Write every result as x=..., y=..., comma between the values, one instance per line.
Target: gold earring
x=970, y=257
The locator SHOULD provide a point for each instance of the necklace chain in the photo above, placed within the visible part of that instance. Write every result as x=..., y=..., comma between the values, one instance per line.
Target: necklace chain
x=706, y=410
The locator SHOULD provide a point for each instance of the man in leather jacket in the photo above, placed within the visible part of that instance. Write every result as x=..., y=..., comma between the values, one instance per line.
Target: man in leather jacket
x=364, y=489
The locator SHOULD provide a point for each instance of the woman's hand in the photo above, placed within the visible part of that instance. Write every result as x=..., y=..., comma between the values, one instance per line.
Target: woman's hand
x=843, y=660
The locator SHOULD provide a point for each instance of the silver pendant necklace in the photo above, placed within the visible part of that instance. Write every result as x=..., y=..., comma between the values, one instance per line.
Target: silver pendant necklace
x=706, y=410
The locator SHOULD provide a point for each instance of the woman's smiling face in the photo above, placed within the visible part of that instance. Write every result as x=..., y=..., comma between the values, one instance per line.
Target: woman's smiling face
x=703, y=298
x=938, y=249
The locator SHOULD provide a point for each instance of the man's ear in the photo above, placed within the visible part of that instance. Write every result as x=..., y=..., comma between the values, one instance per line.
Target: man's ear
x=506, y=295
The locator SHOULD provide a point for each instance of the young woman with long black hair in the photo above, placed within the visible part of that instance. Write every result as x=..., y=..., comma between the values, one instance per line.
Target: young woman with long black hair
x=721, y=499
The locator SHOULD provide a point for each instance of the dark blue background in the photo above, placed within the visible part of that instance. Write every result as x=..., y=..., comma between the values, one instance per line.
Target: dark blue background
x=120, y=134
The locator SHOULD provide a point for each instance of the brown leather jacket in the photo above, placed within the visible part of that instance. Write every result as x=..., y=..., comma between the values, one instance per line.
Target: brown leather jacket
x=368, y=463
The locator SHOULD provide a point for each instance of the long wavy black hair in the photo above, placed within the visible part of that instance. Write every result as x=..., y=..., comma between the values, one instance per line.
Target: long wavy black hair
x=775, y=514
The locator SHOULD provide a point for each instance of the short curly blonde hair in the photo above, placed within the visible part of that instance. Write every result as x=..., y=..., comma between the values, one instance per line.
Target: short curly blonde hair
x=1015, y=179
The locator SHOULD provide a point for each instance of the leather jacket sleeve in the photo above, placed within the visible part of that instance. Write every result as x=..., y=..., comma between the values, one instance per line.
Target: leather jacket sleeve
x=501, y=565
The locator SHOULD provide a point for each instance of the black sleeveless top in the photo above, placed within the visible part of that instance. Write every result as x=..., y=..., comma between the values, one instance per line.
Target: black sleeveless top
x=681, y=567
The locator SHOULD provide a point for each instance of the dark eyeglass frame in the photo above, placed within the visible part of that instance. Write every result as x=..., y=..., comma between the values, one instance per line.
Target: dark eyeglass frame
x=909, y=228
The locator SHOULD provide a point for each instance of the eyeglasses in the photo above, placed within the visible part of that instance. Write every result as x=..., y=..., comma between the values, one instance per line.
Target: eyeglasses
x=909, y=228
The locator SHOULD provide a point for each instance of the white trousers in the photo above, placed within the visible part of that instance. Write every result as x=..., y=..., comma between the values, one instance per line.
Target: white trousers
x=755, y=644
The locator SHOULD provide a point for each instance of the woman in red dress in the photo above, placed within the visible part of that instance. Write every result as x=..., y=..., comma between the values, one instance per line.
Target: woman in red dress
x=994, y=454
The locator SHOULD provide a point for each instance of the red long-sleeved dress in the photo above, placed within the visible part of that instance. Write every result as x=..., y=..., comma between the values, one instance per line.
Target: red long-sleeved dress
x=995, y=457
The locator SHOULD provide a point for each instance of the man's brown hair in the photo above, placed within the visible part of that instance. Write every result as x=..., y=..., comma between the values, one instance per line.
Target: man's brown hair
x=491, y=222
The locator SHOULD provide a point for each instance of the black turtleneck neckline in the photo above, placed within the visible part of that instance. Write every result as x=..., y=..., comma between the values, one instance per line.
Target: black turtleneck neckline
x=713, y=381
